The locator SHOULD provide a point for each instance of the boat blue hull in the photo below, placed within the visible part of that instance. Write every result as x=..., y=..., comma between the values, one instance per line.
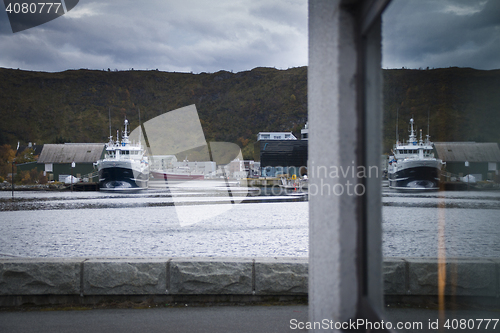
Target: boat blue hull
x=416, y=178
x=121, y=179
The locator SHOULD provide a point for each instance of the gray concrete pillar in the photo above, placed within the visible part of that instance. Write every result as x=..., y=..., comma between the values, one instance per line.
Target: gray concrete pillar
x=345, y=101
x=333, y=143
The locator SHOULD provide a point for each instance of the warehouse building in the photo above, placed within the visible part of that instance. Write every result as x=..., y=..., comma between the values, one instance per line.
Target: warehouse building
x=58, y=159
x=470, y=158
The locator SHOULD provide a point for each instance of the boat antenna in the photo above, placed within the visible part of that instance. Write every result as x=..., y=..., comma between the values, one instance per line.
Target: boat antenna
x=139, y=110
x=146, y=141
x=397, y=120
x=428, y=120
x=109, y=116
x=413, y=137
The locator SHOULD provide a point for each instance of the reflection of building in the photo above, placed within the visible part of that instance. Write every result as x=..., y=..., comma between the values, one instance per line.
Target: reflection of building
x=57, y=159
x=243, y=168
x=204, y=167
x=483, y=159
x=162, y=162
x=279, y=154
x=169, y=164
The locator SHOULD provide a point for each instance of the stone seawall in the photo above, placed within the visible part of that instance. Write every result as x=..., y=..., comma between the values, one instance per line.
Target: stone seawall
x=91, y=280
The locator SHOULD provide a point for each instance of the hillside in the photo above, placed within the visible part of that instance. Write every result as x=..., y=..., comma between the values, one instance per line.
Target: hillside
x=462, y=104
x=72, y=106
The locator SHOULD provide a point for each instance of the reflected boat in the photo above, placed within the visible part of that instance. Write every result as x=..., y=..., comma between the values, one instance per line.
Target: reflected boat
x=413, y=167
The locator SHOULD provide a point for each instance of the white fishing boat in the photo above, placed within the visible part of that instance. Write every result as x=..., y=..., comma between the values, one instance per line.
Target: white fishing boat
x=412, y=165
x=125, y=166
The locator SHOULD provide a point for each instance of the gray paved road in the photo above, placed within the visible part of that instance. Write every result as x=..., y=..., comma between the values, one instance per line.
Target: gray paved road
x=223, y=319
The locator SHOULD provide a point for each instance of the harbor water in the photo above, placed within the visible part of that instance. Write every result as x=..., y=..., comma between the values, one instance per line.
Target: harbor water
x=147, y=223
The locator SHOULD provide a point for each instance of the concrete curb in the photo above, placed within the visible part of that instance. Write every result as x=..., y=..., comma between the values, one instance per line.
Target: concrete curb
x=22, y=280
x=464, y=276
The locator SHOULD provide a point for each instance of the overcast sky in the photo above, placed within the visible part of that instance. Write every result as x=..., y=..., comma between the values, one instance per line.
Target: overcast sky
x=238, y=35
x=442, y=33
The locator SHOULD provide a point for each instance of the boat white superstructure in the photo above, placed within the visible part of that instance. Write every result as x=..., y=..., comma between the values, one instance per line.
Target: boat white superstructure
x=125, y=165
x=412, y=165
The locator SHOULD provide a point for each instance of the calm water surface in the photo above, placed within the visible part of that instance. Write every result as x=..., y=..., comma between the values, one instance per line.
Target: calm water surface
x=95, y=224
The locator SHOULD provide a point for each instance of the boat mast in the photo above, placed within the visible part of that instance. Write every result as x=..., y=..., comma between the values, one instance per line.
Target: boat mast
x=139, y=110
x=109, y=117
x=397, y=131
x=413, y=137
x=125, y=133
x=428, y=137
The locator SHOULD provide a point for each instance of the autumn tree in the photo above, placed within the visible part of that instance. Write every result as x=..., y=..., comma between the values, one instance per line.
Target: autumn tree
x=7, y=155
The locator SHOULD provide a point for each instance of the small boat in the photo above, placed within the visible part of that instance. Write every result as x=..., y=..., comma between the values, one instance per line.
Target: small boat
x=125, y=166
x=412, y=166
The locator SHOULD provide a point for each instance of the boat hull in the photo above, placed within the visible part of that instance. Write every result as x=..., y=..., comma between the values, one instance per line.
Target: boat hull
x=417, y=176
x=120, y=178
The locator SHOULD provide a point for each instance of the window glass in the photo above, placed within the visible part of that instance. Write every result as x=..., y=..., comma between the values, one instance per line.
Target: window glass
x=441, y=240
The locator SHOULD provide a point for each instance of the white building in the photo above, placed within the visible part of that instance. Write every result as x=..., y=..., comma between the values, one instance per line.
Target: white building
x=275, y=136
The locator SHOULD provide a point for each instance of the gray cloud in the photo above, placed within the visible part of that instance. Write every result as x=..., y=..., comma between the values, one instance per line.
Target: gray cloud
x=208, y=36
x=428, y=33
x=169, y=35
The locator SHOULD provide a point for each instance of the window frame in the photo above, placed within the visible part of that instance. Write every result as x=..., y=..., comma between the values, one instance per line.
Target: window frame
x=345, y=80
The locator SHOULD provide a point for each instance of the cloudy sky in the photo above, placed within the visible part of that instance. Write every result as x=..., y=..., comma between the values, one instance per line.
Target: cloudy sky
x=237, y=35
x=442, y=33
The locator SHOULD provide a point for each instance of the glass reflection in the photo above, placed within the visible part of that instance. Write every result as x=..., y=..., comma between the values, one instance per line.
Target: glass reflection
x=441, y=240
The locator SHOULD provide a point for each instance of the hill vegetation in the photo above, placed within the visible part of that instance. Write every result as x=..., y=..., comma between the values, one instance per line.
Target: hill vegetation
x=73, y=106
x=463, y=104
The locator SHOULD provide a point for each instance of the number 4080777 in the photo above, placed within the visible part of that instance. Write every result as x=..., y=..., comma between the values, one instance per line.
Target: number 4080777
x=33, y=8
x=460, y=324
